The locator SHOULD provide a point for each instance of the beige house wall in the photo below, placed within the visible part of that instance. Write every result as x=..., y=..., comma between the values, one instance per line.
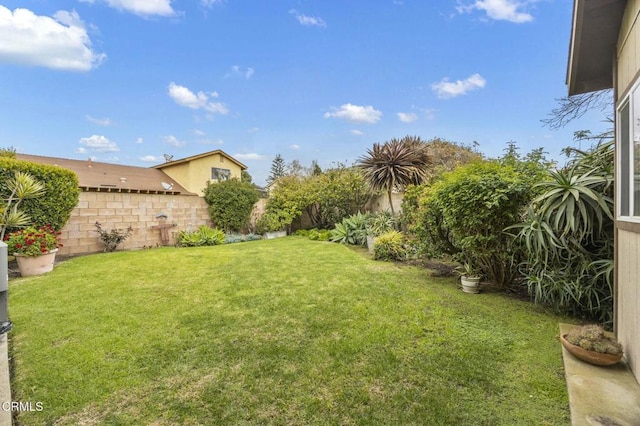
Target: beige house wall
x=121, y=210
x=380, y=203
x=628, y=300
x=628, y=60
x=627, y=242
x=194, y=174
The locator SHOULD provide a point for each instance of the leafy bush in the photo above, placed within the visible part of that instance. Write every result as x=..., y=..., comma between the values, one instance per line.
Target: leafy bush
x=273, y=221
x=230, y=203
x=568, y=234
x=32, y=241
x=319, y=234
x=380, y=223
x=389, y=247
x=112, y=239
x=61, y=194
x=352, y=230
x=21, y=187
x=464, y=214
x=203, y=236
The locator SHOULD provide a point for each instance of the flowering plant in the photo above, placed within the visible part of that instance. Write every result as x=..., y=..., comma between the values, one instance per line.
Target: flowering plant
x=33, y=242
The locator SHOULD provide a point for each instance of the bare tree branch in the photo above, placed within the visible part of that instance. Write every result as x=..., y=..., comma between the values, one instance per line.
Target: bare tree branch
x=573, y=107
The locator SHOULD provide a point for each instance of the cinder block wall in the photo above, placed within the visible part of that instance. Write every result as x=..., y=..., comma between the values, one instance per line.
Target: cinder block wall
x=121, y=210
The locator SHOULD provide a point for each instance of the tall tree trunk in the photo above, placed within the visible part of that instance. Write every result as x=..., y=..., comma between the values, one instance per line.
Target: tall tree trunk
x=393, y=213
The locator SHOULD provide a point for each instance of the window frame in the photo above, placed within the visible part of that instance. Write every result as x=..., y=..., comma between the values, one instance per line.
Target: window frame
x=215, y=175
x=626, y=132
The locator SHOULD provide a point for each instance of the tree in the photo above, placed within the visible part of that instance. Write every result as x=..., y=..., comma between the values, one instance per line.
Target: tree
x=246, y=177
x=278, y=169
x=395, y=165
x=573, y=107
x=230, y=203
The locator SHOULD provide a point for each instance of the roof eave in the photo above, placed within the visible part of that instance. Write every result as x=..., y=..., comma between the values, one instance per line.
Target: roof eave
x=594, y=34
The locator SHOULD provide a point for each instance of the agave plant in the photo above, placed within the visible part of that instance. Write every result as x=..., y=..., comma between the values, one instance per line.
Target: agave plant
x=20, y=187
x=395, y=165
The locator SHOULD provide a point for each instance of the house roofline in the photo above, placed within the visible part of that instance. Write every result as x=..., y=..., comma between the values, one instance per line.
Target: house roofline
x=195, y=157
x=592, y=50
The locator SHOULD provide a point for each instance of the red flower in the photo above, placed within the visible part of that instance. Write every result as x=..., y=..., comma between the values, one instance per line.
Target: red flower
x=18, y=245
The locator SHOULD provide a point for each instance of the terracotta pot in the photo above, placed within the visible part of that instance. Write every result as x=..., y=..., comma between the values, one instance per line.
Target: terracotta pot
x=591, y=357
x=35, y=265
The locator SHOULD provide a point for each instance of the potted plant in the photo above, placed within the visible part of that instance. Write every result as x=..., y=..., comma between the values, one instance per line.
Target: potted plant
x=274, y=223
x=470, y=277
x=34, y=249
x=591, y=343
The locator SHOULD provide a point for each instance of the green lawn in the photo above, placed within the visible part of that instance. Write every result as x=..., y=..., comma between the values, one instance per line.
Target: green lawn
x=285, y=331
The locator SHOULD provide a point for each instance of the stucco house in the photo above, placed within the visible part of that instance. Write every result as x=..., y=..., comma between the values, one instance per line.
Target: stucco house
x=194, y=172
x=605, y=53
x=121, y=196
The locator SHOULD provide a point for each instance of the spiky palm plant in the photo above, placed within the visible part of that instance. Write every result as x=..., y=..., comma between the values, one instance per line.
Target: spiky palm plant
x=395, y=164
x=20, y=187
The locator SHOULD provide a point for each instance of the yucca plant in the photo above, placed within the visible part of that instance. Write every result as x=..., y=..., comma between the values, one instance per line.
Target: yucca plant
x=21, y=187
x=395, y=164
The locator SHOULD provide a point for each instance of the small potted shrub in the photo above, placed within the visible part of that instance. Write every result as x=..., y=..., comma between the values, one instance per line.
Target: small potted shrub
x=470, y=277
x=34, y=249
x=274, y=224
x=591, y=343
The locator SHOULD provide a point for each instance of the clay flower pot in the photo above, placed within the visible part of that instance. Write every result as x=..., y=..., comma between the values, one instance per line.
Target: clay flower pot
x=591, y=357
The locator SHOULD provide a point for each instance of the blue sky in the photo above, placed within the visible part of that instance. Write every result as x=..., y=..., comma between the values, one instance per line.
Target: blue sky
x=126, y=81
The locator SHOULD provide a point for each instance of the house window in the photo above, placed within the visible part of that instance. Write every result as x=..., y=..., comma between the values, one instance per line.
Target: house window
x=220, y=174
x=628, y=157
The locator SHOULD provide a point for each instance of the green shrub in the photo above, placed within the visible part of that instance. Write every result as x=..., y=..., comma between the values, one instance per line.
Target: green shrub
x=352, y=230
x=464, y=214
x=380, y=223
x=240, y=238
x=203, y=236
x=389, y=247
x=273, y=221
x=230, y=203
x=112, y=239
x=61, y=194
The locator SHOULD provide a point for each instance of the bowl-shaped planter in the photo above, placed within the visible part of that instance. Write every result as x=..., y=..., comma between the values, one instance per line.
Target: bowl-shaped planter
x=35, y=265
x=592, y=357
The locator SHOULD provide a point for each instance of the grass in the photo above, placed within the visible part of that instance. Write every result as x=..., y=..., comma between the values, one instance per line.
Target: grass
x=285, y=331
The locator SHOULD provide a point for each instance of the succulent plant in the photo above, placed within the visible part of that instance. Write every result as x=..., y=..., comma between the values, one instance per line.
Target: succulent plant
x=592, y=337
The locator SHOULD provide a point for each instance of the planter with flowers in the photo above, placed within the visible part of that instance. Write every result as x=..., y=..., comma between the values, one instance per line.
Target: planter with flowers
x=34, y=249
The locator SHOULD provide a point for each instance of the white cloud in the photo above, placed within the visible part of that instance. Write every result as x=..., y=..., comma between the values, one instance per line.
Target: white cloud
x=250, y=156
x=407, y=117
x=500, y=10
x=60, y=42
x=357, y=132
x=294, y=146
x=185, y=97
x=310, y=21
x=446, y=89
x=253, y=130
x=151, y=159
x=139, y=140
x=210, y=3
x=97, y=143
x=99, y=121
x=198, y=132
x=140, y=7
x=355, y=113
x=207, y=141
x=173, y=141
x=236, y=70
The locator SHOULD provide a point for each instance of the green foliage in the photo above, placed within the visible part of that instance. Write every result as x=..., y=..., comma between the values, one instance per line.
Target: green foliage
x=241, y=238
x=379, y=223
x=203, y=236
x=112, y=239
x=61, y=191
x=278, y=169
x=327, y=198
x=273, y=221
x=395, y=165
x=8, y=152
x=246, y=177
x=465, y=212
x=389, y=247
x=568, y=234
x=352, y=230
x=230, y=203
x=314, y=234
x=20, y=187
